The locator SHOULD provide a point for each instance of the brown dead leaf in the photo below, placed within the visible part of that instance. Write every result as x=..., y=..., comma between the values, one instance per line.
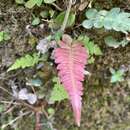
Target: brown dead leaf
x=83, y=5
x=67, y=39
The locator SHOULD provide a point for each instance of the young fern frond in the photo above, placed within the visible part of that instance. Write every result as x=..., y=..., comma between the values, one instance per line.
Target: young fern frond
x=71, y=60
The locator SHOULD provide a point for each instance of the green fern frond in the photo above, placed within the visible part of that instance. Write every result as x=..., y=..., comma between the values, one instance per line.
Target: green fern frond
x=26, y=61
x=58, y=93
x=114, y=19
x=93, y=49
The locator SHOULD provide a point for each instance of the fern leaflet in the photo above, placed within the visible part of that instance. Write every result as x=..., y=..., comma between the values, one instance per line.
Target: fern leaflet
x=26, y=61
x=58, y=93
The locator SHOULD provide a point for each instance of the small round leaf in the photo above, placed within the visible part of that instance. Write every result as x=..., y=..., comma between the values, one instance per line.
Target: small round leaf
x=91, y=13
x=87, y=24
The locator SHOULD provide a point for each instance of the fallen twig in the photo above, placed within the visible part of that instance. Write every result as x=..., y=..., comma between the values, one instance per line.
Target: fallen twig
x=14, y=120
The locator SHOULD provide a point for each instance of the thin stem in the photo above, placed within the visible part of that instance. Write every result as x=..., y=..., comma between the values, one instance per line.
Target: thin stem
x=57, y=7
x=5, y=90
x=14, y=120
x=66, y=16
x=38, y=118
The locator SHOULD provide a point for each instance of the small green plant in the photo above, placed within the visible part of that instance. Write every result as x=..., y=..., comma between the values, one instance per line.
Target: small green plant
x=117, y=76
x=112, y=42
x=35, y=21
x=1, y=108
x=31, y=3
x=57, y=22
x=26, y=61
x=4, y=36
x=51, y=112
x=58, y=93
x=114, y=19
x=60, y=18
x=44, y=14
x=93, y=49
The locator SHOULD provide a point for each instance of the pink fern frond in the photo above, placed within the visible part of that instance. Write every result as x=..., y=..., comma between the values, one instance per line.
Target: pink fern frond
x=71, y=60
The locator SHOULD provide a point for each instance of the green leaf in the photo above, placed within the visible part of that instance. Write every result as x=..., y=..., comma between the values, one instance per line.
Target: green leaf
x=30, y=4
x=97, y=50
x=102, y=13
x=19, y=1
x=58, y=36
x=87, y=24
x=51, y=12
x=117, y=76
x=35, y=21
x=91, y=60
x=58, y=93
x=1, y=108
x=39, y=2
x=113, y=12
x=92, y=48
x=60, y=18
x=44, y=14
x=4, y=36
x=26, y=61
x=1, y=36
x=49, y=1
x=91, y=13
x=112, y=42
x=98, y=23
x=51, y=111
